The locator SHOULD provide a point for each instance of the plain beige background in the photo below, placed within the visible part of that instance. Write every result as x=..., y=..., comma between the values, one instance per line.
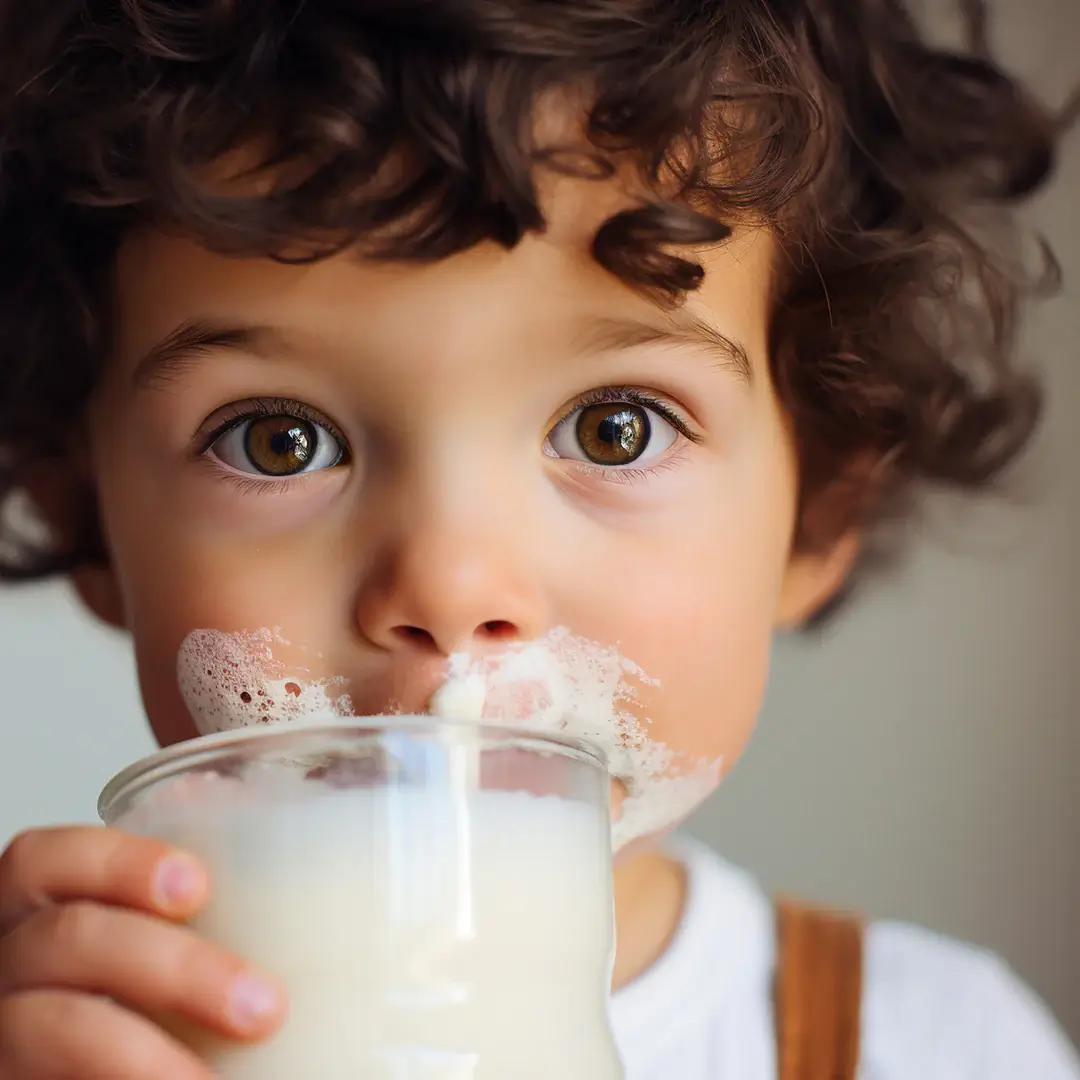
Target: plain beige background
x=921, y=760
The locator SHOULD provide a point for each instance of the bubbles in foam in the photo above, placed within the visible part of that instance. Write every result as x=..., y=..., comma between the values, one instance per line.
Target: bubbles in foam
x=233, y=680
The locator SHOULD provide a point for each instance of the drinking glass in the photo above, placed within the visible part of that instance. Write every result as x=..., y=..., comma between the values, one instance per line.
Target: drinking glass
x=436, y=897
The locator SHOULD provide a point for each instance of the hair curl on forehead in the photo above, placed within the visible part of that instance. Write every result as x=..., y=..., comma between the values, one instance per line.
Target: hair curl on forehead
x=408, y=128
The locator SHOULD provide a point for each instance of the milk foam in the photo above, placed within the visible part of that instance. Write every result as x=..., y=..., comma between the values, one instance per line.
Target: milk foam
x=234, y=680
x=566, y=683
x=560, y=682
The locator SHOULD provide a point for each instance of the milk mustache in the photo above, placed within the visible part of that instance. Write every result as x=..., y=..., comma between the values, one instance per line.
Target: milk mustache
x=432, y=931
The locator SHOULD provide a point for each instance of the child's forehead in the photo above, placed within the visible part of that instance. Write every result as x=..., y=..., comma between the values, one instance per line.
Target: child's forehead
x=544, y=310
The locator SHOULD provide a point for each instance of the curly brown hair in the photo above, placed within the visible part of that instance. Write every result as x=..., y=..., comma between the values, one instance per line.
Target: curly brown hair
x=407, y=127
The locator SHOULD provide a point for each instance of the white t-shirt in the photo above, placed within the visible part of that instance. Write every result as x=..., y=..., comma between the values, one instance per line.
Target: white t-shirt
x=933, y=1009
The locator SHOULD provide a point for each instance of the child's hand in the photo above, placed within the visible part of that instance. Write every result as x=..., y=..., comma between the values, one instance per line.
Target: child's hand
x=91, y=945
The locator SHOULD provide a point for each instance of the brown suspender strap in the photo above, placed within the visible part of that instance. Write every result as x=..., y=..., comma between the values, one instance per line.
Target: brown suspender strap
x=818, y=993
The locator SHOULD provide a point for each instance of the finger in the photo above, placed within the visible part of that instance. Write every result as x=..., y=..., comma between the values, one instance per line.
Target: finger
x=56, y=1035
x=46, y=866
x=152, y=965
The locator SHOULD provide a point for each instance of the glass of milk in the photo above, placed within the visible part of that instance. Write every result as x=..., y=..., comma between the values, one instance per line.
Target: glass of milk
x=437, y=897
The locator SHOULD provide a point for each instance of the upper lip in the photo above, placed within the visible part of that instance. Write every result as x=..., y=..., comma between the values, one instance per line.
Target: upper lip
x=406, y=687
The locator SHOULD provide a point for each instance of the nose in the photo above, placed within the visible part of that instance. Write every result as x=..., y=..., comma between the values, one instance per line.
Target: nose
x=439, y=587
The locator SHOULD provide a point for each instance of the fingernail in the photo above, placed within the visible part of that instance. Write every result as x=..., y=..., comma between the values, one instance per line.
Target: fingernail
x=252, y=1001
x=179, y=880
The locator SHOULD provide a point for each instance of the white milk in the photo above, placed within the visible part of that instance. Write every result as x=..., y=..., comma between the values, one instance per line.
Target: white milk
x=418, y=939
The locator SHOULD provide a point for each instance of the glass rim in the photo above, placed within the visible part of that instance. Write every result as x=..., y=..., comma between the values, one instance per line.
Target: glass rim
x=173, y=760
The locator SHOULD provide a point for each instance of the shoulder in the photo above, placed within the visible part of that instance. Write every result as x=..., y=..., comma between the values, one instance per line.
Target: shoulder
x=933, y=1007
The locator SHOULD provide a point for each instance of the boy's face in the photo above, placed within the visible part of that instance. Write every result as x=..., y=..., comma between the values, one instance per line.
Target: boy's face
x=518, y=447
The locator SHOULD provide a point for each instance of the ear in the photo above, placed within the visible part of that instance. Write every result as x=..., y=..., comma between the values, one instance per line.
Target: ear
x=814, y=579
x=63, y=498
x=831, y=527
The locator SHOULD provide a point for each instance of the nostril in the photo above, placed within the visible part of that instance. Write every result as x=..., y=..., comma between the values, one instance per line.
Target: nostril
x=417, y=635
x=417, y=638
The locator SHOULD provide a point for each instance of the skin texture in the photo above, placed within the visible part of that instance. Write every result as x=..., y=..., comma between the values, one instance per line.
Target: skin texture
x=462, y=516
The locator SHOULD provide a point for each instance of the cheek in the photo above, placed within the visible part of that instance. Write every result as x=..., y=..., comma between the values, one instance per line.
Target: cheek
x=172, y=585
x=705, y=636
x=701, y=614
x=713, y=680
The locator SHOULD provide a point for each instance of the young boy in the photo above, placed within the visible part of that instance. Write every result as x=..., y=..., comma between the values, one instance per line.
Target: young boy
x=422, y=327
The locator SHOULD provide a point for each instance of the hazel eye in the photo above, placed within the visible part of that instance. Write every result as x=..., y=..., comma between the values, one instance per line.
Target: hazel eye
x=278, y=446
x=612, y=434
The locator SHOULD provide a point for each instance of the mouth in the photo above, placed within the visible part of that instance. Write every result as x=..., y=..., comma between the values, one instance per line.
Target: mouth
x=560, y=684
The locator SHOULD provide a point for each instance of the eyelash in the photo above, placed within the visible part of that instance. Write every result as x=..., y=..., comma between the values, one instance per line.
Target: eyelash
x=633, y=395
x=610, y=395
x=252, y=410
x=262, y=407
x=632, y=475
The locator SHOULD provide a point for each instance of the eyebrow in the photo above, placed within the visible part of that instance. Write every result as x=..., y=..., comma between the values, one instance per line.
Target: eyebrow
x=684, y=329
x=189, y=343
x=192, y=340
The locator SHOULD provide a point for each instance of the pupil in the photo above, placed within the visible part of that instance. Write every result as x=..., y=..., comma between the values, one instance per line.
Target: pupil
x=285, y=442
x=616, y=432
